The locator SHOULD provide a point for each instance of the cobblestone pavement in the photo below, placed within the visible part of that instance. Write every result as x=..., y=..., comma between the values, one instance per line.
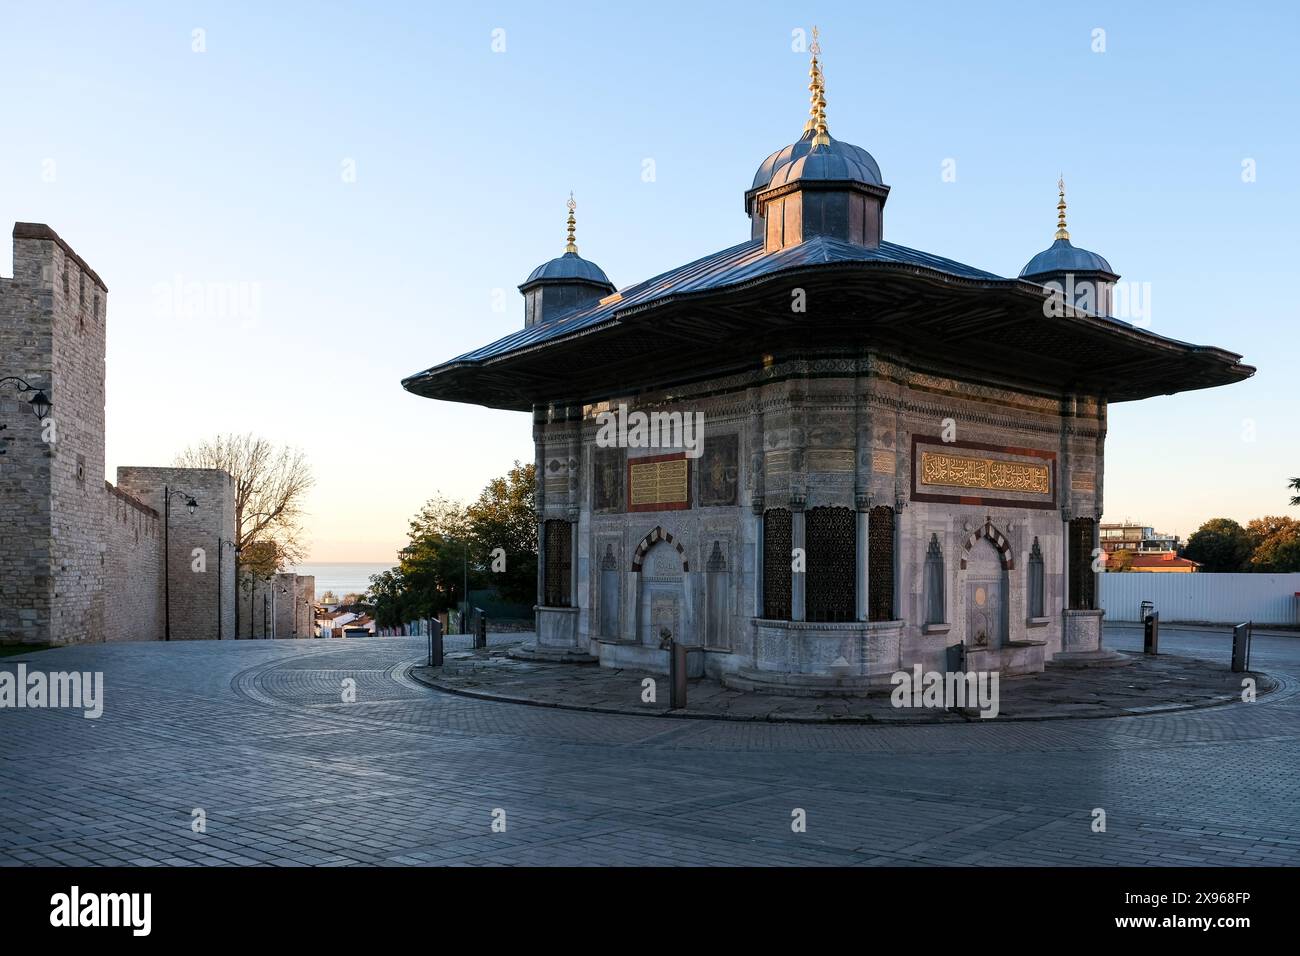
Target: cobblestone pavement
x=1134, y=684
x=256, y=735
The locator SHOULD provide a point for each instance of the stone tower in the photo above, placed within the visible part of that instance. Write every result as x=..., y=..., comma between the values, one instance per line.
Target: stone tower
x=52, y=322
x=199, y=567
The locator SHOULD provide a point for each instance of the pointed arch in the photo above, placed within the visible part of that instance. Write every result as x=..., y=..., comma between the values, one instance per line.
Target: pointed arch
x=650, y=540
x=996, y=538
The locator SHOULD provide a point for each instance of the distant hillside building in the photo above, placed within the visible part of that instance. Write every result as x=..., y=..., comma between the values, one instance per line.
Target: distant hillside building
x=1165, y=562
x=1136, y=538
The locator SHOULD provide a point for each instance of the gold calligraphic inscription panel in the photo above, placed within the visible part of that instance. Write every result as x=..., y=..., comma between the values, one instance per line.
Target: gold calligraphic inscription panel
x=659, y=483
x=988, y=473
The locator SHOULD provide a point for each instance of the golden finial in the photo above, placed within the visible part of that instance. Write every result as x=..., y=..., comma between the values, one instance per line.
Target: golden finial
x=814, y=81
x=1061, y=232
x=819, y=97
x=572, y=204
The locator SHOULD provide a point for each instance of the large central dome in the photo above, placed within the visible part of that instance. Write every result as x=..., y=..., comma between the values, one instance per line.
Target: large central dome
x=836, y=160
x=816, y=186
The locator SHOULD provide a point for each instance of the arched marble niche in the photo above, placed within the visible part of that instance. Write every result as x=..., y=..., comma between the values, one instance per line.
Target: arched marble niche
x=663, y=596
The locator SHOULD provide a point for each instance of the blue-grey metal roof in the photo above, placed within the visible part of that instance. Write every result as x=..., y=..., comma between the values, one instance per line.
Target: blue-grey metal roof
x=739, y=264
x=839, y=160
x=1061, y=256
x=893, y=297
x=569, y=266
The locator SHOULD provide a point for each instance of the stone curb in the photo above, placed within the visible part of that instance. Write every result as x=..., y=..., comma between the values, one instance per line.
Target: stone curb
x=949, y=719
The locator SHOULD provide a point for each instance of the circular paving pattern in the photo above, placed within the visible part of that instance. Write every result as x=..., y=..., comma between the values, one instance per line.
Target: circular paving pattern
x=326, y=753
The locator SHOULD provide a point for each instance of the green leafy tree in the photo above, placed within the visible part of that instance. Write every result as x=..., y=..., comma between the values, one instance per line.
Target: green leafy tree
x=449, y=542
x=1220, y=545
x=435, y=563
x=388, y=591
x=502, y=518
x=1294, y=485
x=1276, y=544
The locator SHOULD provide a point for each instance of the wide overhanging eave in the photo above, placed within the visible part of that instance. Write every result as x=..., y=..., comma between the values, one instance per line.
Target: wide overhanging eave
x=958, y=321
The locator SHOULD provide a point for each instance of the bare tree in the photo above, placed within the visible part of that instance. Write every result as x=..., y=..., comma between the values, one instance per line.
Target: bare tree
x=271, y=482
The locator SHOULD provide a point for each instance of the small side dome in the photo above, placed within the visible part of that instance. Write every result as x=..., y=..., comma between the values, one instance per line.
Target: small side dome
x=1083, y=279
x=569, y=267
x=564, y=284
x=1062, y=256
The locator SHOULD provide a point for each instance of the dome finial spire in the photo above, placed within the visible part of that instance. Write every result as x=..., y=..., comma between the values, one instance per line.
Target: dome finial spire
x=572, y=204
x=814, y=81
x=819, y=94
x=1061, y=231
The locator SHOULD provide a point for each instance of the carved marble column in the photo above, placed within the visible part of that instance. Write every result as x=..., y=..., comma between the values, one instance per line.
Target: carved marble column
x=799, y=544
x=900, y=503
x=861, y=486
x=862, y=503
x=573, y=515
x=756, y=480
x=541, y=560
x=760, y=567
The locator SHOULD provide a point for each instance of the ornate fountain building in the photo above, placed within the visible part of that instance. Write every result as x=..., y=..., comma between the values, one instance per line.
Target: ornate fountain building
x=900, y=455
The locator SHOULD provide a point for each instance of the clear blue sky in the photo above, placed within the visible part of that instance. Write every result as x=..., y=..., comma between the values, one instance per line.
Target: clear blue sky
x=227, y=167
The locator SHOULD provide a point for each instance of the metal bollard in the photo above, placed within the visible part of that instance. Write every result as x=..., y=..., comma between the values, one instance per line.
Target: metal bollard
x=435, y=643
x=676, y=668
x=1151, y=634
x=1241, y=647
x=480, y=632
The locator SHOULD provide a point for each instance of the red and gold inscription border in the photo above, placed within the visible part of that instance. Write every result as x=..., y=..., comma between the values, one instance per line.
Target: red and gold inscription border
x=652, y=459
x=982, y=500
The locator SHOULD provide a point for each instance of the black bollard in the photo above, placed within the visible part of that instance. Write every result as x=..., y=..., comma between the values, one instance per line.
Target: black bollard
x=1241, y=648
x=676, y=669
x=1151, y=634
x=435, y=643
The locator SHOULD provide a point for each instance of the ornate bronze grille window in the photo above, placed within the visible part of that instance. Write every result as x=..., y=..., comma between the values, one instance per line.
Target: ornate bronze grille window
x=1035, y=580
x=831, y=535
x=777, y=544
x=934, y=597
x=880, y=563
x=558, y=542
x=1083, y=581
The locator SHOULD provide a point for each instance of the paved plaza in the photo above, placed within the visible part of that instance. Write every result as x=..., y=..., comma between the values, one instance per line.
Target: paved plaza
x=1116, y=685
x=257, y=736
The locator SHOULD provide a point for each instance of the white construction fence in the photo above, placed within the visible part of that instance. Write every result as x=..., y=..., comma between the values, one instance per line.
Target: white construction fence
x=1203, y=598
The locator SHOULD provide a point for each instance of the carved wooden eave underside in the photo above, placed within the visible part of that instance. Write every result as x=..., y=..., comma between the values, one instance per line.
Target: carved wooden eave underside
x=991, y=330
